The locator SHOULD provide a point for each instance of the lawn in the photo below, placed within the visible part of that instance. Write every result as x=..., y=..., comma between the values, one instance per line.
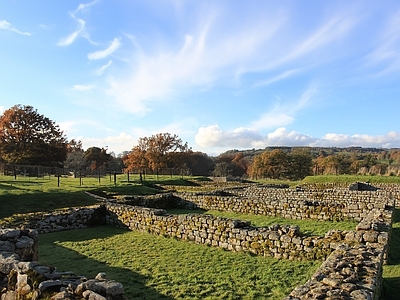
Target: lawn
x=154, y=267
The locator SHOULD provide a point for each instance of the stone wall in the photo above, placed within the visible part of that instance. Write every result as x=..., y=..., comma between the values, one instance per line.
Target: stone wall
x=22, y=277
x=59, y=220
x=327, y=205
x=353, y=259
x=352, y=267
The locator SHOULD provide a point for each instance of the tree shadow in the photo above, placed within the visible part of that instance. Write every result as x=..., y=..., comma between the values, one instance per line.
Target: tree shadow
x=37, y=201
x=70, y=260
x=391, y=285
x=394, y=242
x=390, y=288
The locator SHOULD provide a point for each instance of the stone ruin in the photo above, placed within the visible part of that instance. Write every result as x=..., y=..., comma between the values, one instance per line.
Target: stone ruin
x=23, y=278
x=352, y=260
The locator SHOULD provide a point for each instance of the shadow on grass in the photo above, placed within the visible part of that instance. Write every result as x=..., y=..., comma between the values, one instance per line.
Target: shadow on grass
x=391, y=285
x=390, y=288
x=36, y=201
x=52, y=253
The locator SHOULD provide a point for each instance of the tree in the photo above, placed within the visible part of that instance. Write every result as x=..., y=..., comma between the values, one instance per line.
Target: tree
x=136, y=160
x=299, y=164
x=270, y=164
x=157, y=151
x=75, y=160
x=27, y=137
x=200, y=164
x=96, y=157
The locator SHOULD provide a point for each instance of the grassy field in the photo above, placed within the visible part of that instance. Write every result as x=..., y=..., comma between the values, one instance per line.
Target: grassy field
x=351, y=178
x=158, y=268
x=153, y=267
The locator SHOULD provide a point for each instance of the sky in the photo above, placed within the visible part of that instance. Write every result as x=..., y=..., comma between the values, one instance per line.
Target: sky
x=222, y=75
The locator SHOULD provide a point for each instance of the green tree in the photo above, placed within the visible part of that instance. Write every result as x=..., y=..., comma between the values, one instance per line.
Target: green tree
x=299, y=164
x=75, y=160
x=27, y=137
x=97, y=158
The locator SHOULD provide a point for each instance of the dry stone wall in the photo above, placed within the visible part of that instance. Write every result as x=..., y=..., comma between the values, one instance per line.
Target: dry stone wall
x=332, y=205
x=22, y=277
x=59, y=220
x=352, y=265
x=275, y=241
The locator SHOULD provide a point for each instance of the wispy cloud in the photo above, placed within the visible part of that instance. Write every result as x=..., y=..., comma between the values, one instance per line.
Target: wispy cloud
x=101, y=70
x=385, y=59
x=7, y=26
x=72, y=36
x=283, y=114
x=84, y=6
x=202, y=60
x=214, y=54
x=115, y=44
x=278, y=77
x=83, y=87
x=80, y=24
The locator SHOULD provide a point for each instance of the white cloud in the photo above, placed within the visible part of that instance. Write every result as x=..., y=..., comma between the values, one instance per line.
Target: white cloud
x=84, y=6
x=246, y=138
x=83, y=87
x=114, y=143
x=115, y=44
x=213, y=137
x=216, y=54
x=389, y=140
x=7, y=26
x=284, y=114
x=71, y=37
x=1, y=109
x=203, y=58
x=80, y=31
x=278, y=77
x=101, y=70
x=385, y=59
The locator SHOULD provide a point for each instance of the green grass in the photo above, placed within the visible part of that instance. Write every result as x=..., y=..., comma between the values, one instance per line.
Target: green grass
x=153, y=267
x=351, y=178
x=158, y=268
x=391, y=271
x=31, y=194
x=307, y=227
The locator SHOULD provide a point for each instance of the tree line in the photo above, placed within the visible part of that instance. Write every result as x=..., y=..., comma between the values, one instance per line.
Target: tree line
x=29, y=138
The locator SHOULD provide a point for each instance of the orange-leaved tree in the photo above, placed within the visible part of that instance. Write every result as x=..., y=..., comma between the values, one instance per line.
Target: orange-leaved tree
x=27, y=137
x=157, y=151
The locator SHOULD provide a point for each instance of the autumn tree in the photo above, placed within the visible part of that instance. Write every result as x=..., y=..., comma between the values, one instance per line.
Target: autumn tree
x=269, y=164
x=156, y=152
x=137, y=160
x=27, y=137
x=233, y=162
x=278, y=164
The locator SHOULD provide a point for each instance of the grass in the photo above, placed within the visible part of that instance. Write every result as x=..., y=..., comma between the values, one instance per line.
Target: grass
x=153, y=267
x=307, y=227
x=158, y=268
x=31, y=194
x=391, y=271
x=347, y=179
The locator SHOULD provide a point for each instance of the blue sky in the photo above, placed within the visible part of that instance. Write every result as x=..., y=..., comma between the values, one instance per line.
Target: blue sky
x=220, y=74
